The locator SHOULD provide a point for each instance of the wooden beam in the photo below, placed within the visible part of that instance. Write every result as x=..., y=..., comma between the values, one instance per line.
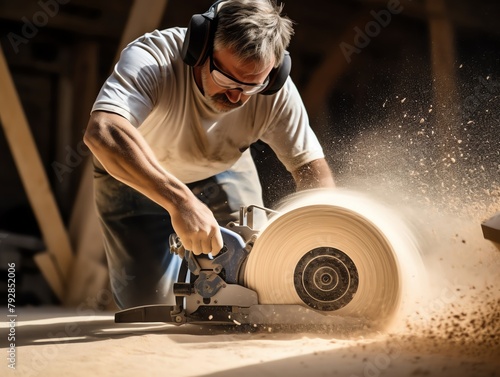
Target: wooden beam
x=47, y=264
x=144, y=16
x=491, y=229
x=443, y=57
x=35, y=182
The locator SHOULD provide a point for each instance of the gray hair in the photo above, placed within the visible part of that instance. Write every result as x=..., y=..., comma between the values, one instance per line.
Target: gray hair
x=254, y=29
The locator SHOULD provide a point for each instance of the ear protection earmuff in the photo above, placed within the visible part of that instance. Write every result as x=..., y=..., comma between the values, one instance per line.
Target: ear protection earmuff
x=199, y=42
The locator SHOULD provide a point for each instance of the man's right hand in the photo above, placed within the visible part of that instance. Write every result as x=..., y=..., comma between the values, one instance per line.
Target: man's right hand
x=195, y=225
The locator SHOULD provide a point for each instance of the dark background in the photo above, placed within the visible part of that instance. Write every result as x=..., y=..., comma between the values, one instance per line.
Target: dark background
x=414, y=113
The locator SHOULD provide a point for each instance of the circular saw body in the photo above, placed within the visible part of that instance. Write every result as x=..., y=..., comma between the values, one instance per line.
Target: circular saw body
x=323, y=256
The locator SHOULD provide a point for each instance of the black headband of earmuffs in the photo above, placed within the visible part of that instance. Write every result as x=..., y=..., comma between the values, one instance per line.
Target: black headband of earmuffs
x=199, y=41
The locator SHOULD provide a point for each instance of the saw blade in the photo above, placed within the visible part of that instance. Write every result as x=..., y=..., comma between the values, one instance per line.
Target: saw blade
x=337, y=252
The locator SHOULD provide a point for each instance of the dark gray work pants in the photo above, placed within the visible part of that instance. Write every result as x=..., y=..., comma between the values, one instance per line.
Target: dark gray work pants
x=136, y=230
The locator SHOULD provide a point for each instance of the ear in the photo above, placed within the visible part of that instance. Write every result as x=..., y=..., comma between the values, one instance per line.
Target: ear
x=279, y=75
x=200, y=36
x=197, y=40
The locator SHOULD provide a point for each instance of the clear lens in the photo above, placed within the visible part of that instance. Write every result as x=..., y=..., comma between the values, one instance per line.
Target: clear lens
x=225, y=81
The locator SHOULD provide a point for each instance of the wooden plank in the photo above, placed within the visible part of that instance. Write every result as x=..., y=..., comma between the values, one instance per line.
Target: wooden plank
x=144, y=16
x=48, y=266
x=491, y=228
x=33, y=176
x=90, y=281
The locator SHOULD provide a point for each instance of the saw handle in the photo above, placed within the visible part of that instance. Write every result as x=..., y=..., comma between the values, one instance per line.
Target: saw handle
x=232, y=242
x=229, y=238
x=229, y=259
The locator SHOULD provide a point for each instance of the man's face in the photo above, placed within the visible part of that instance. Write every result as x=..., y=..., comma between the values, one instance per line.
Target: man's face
x=225, y=80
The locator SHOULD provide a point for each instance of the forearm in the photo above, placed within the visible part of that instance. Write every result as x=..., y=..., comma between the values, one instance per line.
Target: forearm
x=315, y=174
x=127, y=157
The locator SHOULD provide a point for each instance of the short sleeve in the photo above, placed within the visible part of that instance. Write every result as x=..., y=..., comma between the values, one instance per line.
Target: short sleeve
x=133, y=88
x=290, y=134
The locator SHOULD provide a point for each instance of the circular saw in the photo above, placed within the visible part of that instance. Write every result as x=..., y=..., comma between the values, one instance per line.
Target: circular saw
x=325, y=257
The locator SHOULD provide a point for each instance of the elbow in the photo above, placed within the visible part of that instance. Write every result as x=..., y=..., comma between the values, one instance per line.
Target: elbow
x=93, y=136
x=90, y=134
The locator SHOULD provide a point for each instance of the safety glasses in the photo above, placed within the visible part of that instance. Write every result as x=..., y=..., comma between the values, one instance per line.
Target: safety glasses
x=227, y=82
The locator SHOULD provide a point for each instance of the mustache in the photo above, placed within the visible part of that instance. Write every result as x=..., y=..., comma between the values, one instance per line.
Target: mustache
x=222, y=99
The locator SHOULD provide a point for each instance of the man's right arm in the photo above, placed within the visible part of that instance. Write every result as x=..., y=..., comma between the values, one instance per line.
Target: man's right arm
x=126, y=156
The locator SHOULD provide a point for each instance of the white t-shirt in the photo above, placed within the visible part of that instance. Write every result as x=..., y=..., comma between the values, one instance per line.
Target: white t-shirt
x=155, y=90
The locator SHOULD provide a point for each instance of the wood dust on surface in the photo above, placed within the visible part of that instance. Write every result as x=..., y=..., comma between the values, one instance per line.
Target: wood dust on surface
x=455, y=331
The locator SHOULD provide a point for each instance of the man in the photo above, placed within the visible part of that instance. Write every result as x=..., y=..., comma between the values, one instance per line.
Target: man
x=171, y=140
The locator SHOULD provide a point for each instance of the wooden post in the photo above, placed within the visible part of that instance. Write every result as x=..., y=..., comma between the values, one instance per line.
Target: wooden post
x=145, y=16
x=90, y=276
x=442, y=45
x=491, y=229
x=55, y=263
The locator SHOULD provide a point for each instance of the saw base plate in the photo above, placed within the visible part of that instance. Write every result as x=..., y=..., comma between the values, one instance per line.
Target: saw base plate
x=255, y=316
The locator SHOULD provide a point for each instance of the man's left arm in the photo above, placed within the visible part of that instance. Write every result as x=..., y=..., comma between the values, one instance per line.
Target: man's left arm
x=314, y=174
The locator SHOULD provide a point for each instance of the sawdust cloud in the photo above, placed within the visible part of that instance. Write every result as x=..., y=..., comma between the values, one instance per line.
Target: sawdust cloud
x=444, y=185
